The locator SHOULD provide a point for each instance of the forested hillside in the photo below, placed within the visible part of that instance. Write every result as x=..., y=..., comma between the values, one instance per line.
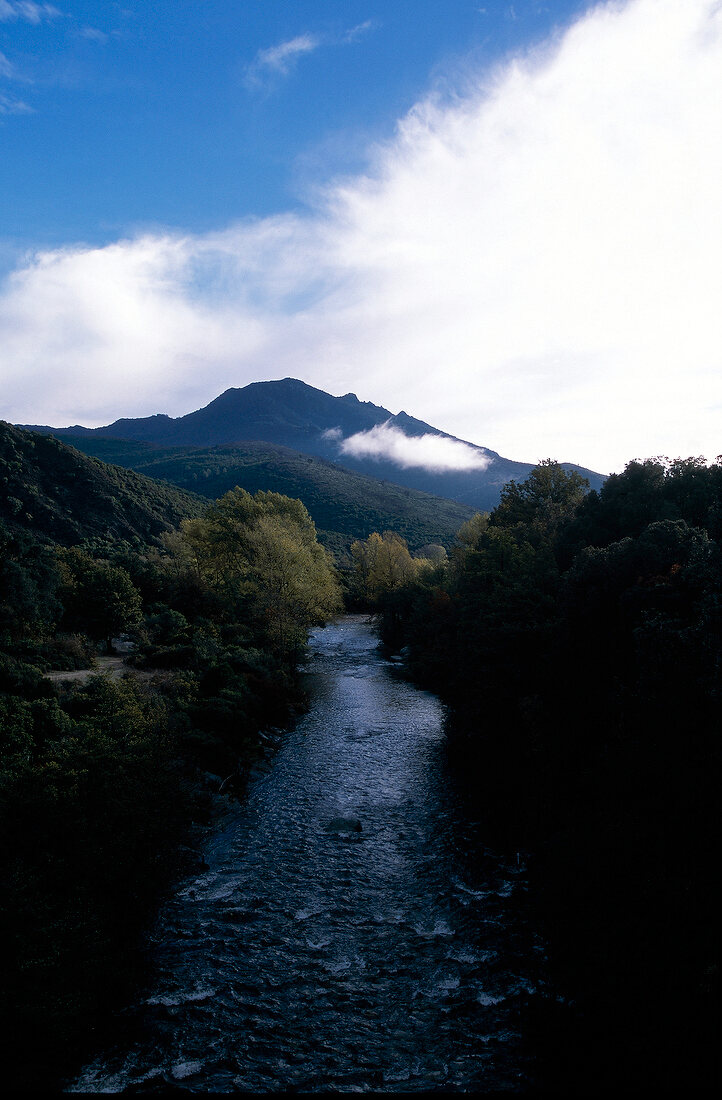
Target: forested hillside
x=57, y=493
x=343, y=504
x=578, y=638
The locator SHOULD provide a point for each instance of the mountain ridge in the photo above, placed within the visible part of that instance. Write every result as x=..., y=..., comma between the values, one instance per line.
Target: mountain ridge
x=290, y=413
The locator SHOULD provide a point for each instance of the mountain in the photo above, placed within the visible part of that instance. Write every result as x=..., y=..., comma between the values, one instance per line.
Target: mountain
x=57, y=493
x=128, y=490
x=291, y=414
x=344, y=504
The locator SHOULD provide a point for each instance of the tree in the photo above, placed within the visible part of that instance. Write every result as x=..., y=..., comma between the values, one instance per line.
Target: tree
x=28, y=585
x=383, y=563
x=647, y=492
x=262, y=553
x=470, y=533
x=295, y=583
x=547, y=497
x=99, y=598
x=432, y=552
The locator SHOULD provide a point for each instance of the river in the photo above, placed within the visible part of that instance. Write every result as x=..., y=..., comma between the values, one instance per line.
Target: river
x=316, y=955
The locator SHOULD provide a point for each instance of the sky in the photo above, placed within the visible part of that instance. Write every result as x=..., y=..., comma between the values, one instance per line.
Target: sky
x=502, y=218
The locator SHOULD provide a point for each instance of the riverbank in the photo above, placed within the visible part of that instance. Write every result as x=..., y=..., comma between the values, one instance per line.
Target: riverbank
x=94, y=840
x=102, y=766
x=275, y=965
x=623, y=889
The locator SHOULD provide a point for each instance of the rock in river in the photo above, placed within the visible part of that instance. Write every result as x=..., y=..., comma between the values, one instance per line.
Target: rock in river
x=344, y=825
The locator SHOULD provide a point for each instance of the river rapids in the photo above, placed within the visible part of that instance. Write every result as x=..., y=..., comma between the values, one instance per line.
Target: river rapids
x=352, y=932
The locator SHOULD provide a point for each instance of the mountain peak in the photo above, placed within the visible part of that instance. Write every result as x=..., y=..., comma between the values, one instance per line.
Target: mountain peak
x=289, y=413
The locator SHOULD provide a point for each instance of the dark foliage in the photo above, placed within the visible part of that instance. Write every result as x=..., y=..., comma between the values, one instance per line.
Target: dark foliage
x=56, y=493
x=580, y=643
x=343, y=504
x=104, y=782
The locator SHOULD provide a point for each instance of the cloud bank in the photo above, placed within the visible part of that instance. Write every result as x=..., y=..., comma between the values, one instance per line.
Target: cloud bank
x=430, y=452
x=532, y=265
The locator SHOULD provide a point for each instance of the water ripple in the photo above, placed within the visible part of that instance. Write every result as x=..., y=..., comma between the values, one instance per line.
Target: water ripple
x=342, y=939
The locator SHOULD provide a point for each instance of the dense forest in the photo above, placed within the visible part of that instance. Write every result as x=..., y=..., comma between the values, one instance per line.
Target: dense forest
x=57, y=494
x=344, y=504
x=105, y=781
x=578, y=639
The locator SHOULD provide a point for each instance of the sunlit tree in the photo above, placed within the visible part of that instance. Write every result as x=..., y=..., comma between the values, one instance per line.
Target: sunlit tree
x=262, y=553
x=383, y=563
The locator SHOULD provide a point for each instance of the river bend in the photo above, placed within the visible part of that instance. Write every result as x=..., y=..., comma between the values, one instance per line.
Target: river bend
x=313, y=955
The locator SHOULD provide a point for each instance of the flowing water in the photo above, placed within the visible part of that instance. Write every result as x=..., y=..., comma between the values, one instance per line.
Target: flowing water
x=317, y=955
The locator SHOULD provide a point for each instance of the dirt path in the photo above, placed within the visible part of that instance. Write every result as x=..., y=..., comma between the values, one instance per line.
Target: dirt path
x=113, y=666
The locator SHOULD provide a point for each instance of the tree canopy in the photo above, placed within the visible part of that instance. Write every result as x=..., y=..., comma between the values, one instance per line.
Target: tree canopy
x=261, y=553
x=383, y=563
x=548, y=496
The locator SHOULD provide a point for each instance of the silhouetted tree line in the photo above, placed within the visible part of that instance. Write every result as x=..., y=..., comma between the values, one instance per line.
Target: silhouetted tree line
x=578, y=638
x=102, y=781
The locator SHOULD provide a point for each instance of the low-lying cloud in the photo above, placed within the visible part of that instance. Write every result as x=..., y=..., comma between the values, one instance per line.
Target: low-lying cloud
x=430, y=452
x=532, y=266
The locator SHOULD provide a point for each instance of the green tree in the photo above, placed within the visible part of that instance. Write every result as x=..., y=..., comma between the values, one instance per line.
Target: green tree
x=383, y=563
x=100, y=599
x=647, y=492
x=470, y=533
x=547, y=497
x=29, y=581
x=432, y=552
x=262, y=553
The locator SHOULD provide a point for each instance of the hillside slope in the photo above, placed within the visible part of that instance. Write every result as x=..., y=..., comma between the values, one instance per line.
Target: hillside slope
x=343, y=504
x=57, y=493
x=291, y=414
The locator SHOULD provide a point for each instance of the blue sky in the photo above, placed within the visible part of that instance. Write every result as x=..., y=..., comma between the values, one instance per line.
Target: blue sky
x=191, y=114
x=501, y=217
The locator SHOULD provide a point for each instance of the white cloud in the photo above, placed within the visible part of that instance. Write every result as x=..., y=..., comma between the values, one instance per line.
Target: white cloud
x=93, y=34
x=26, y=10
x=359, y=31
x=280, y=59
x=533, y=266
x=115, y=325
x=7, y=69
x=430, y=452
x=11, y=106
